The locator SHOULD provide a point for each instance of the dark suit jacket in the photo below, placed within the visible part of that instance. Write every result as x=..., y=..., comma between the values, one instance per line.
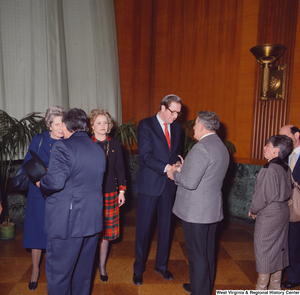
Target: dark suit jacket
x=296, y=171
x=155, y=155
x=115, y=170
x=73, y=185
x=293, y=271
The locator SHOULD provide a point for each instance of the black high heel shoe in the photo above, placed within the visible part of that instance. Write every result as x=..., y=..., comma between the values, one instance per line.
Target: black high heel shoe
x=103, y=278
x=33, y=285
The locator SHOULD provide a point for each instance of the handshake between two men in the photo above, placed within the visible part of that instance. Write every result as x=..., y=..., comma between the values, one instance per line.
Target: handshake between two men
x=174, y=167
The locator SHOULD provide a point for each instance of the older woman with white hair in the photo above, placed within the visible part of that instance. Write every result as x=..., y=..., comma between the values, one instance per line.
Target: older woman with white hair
x=34, y=237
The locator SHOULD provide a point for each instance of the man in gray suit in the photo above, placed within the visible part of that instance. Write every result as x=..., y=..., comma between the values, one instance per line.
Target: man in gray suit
x=199, y=200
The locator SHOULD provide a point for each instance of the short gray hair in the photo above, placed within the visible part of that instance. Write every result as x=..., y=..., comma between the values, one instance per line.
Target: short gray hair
x=51, y=113
x=210, y=120
x=283, y=142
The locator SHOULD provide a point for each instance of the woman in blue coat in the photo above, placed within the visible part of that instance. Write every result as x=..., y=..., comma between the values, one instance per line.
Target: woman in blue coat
x=34, y=236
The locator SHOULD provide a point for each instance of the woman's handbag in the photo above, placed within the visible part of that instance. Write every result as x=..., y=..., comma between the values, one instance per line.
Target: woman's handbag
x=20, y=180
x=294, y=202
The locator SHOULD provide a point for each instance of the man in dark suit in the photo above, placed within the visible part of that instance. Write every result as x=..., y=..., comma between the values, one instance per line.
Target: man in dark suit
x=293, y=270
x=158, y=140
x=73, y=212
x=199, y=200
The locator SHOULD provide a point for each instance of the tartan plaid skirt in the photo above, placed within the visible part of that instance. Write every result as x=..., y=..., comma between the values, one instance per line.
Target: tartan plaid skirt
x=111, y=217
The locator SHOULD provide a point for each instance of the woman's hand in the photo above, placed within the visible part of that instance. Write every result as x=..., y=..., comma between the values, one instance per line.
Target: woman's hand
x=121, y=198
x=251, y=215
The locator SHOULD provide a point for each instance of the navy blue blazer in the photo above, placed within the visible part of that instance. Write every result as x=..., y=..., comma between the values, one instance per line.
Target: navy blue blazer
x=296, y=171
x=73, y=185
x=155, y=155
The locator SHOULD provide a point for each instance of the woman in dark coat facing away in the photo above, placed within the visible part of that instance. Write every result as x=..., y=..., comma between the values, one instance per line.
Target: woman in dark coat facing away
x=269, y=206
x=34, y=236
x=114, y=183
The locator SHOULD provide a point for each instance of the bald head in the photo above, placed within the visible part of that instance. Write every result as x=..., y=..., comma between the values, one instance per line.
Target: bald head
x=292, y=132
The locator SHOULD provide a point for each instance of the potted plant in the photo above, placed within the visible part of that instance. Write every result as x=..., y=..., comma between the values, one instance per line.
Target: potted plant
x=8, y=228
x=15, y=137
x=127, y=134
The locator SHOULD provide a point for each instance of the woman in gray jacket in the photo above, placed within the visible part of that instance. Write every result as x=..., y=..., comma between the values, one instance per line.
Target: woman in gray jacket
x=269, y=206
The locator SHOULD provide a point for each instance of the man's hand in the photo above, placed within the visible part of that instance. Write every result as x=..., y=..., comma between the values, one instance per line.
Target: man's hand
x=38, y=184
x=169, y=167
x=181, y=159
x=179, y=164
x=171, y=171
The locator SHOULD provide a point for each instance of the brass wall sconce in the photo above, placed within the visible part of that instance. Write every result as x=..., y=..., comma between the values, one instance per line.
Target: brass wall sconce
x=272, y=83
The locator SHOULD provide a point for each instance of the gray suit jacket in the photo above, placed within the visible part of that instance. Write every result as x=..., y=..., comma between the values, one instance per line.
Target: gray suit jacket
x=199, y=196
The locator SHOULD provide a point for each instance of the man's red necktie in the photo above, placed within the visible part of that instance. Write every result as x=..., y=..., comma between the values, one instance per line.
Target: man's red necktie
x=167, y=135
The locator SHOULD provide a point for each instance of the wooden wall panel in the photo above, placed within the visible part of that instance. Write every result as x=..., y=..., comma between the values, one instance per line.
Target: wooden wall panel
x=202, y=54
x=295, y=93
x=134, y=31
x=277, y=24
x=200, y=50
x=243, y=126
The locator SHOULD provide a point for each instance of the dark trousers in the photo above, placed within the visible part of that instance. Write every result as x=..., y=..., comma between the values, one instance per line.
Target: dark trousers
x=147, y=207
x=69, y=265
x=293, y=271
x=200, y=247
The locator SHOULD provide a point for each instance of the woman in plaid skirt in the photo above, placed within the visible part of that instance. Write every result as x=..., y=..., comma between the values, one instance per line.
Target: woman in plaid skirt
x=114, y=183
